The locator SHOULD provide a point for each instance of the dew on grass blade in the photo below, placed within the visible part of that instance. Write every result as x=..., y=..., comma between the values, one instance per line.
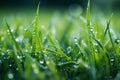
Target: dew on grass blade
x=117, y=41
x=83, y=43
x=10, y=75
x=19, y=39
x=76, y=41
x=26, y=50
x=17, y=69
x=69, y=50
x=111, y=60
x=10, y=65
x=87, y=66
x=42, y=62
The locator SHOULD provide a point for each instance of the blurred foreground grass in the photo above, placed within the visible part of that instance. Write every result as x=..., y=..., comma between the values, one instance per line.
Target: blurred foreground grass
x=59, y=45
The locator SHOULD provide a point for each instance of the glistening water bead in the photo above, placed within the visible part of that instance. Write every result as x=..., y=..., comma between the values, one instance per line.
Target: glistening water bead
x=69, y=49
x=10, y=75
x=117, y=41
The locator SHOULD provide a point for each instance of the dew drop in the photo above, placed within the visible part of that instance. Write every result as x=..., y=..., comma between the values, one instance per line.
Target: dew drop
x=10, y=65
x=117, y=41
x=111, y=60
x=26, y=50
x=21, y=60
x=10, y=75
x=75, y=66
x=17, y=69
x=91, y=29
x=19, y=39
x=41, y=62
x=76, y=41
x=83, y=43
x=69, y=49
x=18, y=57
x=87, y=66
x=12, y=30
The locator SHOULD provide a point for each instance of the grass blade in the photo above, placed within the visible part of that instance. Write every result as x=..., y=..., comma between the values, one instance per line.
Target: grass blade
x=56, y=46
x=35, y=24
x=17, y=47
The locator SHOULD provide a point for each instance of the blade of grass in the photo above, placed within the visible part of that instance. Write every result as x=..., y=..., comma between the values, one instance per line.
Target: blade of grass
x=35, y=24
x=109, y=33
x=92, y=57
x=56, y=46
x=17, y=47
x=13, y=38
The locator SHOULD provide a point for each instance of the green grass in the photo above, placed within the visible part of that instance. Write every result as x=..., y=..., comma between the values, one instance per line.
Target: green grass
x=60, y=47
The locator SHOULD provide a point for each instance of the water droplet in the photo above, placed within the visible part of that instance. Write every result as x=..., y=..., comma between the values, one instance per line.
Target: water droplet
x=75, y=66
x=41, y=62
x=87, y=66
x=26, y=50
x=19, y=39
x=44, y=50
x=21, y=60
x=7, y=51
x=92, y=30
x=76, y=41
x=10, y=65
x=31, y=47
x=96, y=50
x=17, y=69
x=10, y=75
x=83, y=43
x=12, y=29
x=117, y=41
x=18, y=57
x=111, y=60
x=69, y=49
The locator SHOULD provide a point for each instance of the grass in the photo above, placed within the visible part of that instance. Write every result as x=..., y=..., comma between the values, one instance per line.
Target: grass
x=67, y=47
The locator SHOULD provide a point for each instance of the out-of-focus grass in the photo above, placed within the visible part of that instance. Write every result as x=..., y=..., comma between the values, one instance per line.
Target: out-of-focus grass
x=59, y=45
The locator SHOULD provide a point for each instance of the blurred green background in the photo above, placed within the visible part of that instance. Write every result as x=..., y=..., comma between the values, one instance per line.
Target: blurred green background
x=101, y=4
